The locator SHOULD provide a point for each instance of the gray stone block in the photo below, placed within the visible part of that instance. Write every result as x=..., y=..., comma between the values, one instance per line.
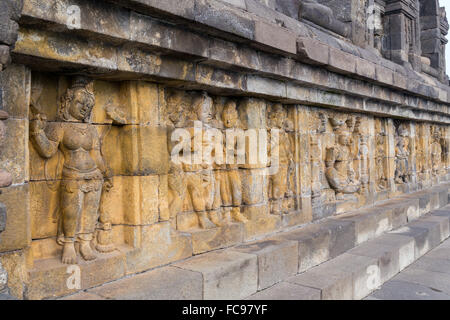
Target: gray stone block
x=277, y=260
x=345, y=277
x=226, y=274
x=369, y=223
x=420, y=236
x=276, y=37
x=287, y=291
x=320, y=242
x=443, y=225
x=404, y=244
x=333, y=286
x=168, y=283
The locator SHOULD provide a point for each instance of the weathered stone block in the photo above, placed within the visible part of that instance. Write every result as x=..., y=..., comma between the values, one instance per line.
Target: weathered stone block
x=405, y=246
x=155, y=245
x=275, y=37
x=369, y=223
x=365, y=68
x=17, y=234
x=14, y=154
x=260, y=221
x=15, y=81
x=443, y=225
x=217, y=238
x=384, y=75
x=49, y=277
x=134, y=200
x=168, y=283
x=313, y=51
x=420, y=236
x=226, y=274
x=342, y=62
x=13, y=266
x=143, y=150
x=318, y=243
x=277, y=260
x=334, y=285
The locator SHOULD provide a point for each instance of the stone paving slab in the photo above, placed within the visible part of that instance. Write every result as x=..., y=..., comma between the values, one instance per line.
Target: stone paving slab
x=403, y=290
x=437, y=281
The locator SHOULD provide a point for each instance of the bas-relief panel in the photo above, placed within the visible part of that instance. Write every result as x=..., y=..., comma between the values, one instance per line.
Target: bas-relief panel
x=101, y=159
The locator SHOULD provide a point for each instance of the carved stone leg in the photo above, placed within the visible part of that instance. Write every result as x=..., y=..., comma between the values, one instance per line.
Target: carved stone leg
x=71, y=209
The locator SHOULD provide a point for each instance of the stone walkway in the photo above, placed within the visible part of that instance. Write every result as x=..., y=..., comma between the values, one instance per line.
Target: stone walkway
x=426, y=279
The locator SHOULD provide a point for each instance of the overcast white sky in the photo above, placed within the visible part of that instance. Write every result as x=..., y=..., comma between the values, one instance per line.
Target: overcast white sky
x=446, y=4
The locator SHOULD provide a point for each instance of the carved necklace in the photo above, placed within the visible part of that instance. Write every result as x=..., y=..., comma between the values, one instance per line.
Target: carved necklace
x=80, y=129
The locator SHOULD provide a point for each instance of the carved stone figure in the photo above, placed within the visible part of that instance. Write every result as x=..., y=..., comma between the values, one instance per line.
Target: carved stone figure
x=338, y=161
x=176, y=118
x=200, y=182
x=380, y=165
x=436, y=152
x=319, y=124
x=84, y=173
x=279, y=182
x=402, y=152
x=231, y=184
x=362, y=153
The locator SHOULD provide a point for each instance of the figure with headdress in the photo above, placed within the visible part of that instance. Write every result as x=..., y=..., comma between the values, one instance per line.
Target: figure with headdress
x=338, y=161
x=436, y=151
x=84, y=173
x=402, y=172
x=279, y=182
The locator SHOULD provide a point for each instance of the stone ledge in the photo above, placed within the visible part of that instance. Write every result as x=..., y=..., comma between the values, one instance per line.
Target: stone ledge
x=327, y=247
x=338, y=60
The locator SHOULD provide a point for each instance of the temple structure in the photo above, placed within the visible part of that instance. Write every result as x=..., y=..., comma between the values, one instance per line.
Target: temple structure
x=311, y=111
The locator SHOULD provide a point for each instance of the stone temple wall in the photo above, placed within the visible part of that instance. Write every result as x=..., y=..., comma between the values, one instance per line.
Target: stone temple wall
x=95, y=90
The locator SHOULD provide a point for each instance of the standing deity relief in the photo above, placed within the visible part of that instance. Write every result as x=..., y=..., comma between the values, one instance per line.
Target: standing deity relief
x=402, y=154
x=381, y=181
x=85, y=175
x=437, y=151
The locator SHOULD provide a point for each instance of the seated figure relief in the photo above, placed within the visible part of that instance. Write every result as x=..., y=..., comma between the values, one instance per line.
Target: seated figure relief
x=338, y=161
x=84, y=173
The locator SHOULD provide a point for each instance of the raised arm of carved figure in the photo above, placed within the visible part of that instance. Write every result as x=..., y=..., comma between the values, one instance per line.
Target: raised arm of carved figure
x=46, y=138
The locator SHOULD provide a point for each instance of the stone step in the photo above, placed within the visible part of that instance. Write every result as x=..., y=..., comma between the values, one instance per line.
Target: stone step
x=343, y=257
x=360, y=271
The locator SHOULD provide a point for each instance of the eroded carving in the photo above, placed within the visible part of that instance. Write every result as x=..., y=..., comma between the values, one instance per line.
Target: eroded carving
x=279, y=182
x=402, y=153
x=338, y=160
x=84, y=173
